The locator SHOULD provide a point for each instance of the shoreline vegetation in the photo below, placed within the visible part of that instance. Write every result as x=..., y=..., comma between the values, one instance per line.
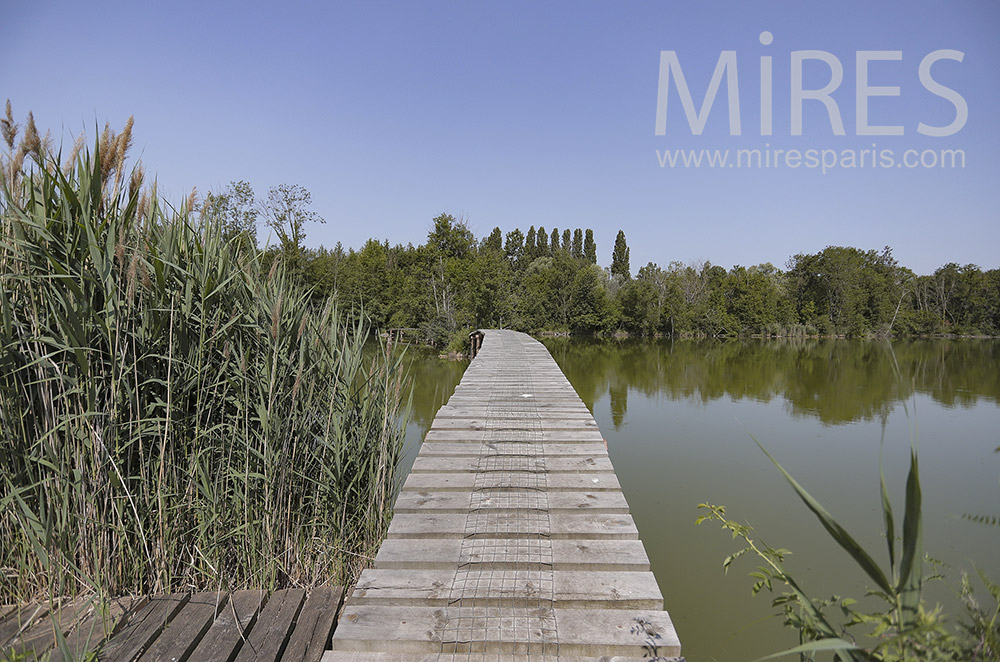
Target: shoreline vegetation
x=174, y=414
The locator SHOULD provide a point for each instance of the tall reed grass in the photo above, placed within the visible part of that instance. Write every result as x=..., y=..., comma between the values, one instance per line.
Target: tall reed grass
x=170, y=415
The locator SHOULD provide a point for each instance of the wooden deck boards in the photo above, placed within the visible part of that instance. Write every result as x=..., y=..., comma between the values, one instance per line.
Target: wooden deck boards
x=209, y=626
x=511, y=537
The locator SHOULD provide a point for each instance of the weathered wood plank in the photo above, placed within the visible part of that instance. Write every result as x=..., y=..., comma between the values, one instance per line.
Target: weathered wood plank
x=472, y=448
x=187, y=628
x=226, y=634
x=20, y=619
x=464, y=482
x=464, y=464
x=571, y=589
x=512, y=423
x=41, y=636
x=268, y=638
x=370, y=656
x=314, y=625
x=143, y=627
x=580, y=632
x=567, y=554
x=480, y=413
x=100, y=623
x=582, y=526
x=542, y=436
x=555, y=503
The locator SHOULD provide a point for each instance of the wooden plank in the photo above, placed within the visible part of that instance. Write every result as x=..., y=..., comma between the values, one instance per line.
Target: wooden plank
x=554, y=503
x=528, y=463
x=540, y=436
x=143, y=627
x=371, y=656
x=570, y=589
x=479, y=413
x=314, y=625
x=226, y=634
x=581, y=526
x=20, y=619
x=568, y=554
x=469, y=447
x=41, y=636
x=268, y=637
x=591, y=632
x=464, y=482
x=5, y=611
x=512, y=423
x=187, y=628
x=100, y=623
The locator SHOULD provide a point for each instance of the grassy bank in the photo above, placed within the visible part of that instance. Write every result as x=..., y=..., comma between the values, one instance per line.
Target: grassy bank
x=170, y=415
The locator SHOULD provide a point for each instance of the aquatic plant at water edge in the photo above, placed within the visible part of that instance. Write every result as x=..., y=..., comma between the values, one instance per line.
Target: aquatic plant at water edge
x=899, y=626
x=170, y=415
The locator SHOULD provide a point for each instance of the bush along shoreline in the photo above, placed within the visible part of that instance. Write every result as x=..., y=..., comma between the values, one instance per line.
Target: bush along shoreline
x=172, y=414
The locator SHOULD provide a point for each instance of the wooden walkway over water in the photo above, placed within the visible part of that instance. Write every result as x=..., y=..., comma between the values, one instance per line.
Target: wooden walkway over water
x=511, y=538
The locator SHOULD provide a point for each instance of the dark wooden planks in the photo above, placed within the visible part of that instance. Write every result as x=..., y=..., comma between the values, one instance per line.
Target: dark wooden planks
x=143, y=628
x=227, y=633
x=244, y=625
x=20, y=619
x=40, y=637
x=100, y=623
x=187, y=627
x=314, y=625
x=268, y=637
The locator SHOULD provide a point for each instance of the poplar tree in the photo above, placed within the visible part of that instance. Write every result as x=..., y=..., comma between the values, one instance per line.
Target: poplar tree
x=590, y=247
x=619, y=258
x=494, y=242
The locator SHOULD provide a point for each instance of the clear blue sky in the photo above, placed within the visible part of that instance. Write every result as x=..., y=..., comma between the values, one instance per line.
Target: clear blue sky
x=533, y=113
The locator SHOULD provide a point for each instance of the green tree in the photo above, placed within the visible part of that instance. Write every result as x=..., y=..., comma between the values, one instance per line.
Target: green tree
x=591, y=309
x=530, y=247
x=590, y=247
x=542, y=242
x=286, y=211
x=619, y=258
x=494, y=242
x=235, y=213
x=450, y=237
x=514, y=247
x=577, y=243
x=637, y=299
x=554, y=241
x=567, y=241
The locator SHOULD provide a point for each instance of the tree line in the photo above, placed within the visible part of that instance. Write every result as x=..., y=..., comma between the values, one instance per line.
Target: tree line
x=549, y=281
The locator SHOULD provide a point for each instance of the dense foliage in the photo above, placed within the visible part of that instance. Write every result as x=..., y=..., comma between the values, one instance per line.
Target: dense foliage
x=543, y=280
x=172, y=416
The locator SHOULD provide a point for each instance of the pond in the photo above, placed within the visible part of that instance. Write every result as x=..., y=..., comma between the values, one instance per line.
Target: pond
x=678, y=417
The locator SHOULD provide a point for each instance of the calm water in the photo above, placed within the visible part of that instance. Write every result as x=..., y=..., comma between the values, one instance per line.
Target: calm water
x=678, y=418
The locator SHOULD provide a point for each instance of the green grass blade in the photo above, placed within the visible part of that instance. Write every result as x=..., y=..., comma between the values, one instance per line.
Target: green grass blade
x=836, y=645
x=836, y=531
x=890, y=526
x=911, y=564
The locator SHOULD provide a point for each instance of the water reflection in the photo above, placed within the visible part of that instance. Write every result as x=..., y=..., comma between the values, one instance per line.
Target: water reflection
x=836, y=381
x=678, y=417
x=432, y=381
